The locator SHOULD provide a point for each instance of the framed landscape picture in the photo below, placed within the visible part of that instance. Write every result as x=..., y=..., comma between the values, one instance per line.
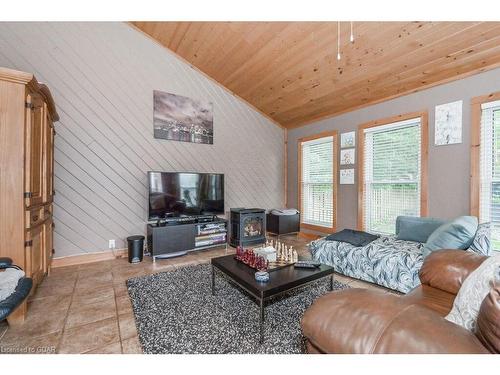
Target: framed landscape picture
x=179, y=118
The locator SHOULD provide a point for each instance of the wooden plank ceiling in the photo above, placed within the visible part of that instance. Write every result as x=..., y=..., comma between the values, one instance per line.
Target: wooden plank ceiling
x=289, y=70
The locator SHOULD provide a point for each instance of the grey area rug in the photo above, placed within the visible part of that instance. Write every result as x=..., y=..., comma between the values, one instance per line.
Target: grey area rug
x=175, y=312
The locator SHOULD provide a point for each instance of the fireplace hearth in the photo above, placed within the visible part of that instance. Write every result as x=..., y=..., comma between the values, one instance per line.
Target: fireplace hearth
x=248, y=226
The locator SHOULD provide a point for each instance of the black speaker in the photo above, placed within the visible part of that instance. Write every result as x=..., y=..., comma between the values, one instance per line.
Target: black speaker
x=135, y=248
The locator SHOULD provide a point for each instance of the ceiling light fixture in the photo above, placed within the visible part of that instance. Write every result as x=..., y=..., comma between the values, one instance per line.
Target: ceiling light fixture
x=338, y=40
x=351, y=38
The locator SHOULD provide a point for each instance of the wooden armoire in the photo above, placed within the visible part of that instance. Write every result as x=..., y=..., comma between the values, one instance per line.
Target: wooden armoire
x=27, y=113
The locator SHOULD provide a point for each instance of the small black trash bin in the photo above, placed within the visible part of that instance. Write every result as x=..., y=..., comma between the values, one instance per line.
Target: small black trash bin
x=135, y=248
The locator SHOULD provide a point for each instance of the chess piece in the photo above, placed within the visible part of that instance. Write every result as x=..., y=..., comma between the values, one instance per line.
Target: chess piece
x=295, y=256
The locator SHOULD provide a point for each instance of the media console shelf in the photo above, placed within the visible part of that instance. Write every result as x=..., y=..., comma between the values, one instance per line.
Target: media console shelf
x=174, y=239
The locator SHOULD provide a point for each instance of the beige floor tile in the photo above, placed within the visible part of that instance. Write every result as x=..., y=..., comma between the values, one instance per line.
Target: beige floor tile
x=32, y=345
x=54, y=281
x=127, y=325
x=43, y=291
x=124, y=305
x=89, y=337
x=159, y=266
x=120, y=289
x=114, y=348
x=103, y=292
x=122, y=275
x=58, y=303
x=63, y=271
x=40, y=324
x=88, y=279
x=131, y=346
x=89, y=289
x=96, y=267
x=81, y=313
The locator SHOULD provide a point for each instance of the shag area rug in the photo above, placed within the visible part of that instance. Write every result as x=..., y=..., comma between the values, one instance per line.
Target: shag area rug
x=175, y=312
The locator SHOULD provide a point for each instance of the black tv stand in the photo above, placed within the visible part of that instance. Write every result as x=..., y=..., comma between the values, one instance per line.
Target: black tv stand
x=177, y=236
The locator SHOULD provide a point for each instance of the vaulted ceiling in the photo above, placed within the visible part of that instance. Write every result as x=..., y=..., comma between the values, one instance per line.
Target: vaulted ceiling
x=289, y=70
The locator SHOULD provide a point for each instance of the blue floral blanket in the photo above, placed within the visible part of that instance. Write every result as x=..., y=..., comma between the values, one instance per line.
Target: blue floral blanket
x=386, y=261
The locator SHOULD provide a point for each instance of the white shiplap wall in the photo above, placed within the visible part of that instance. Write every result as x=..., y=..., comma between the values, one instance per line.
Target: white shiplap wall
x=102, y=77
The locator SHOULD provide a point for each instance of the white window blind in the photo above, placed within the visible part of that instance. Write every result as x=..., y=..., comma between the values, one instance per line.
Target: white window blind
x=392, y=174
x=489, y=166
x=317, y=182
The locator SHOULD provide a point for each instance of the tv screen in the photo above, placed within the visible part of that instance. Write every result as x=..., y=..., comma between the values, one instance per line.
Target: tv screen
x=176, y=194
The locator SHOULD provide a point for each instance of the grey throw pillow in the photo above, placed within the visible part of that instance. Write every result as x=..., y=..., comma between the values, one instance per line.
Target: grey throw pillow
x=482, y=240
x=472, y=292
x=457, y=234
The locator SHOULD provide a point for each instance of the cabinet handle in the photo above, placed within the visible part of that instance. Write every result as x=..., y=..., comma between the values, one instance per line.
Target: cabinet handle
x=35, y=218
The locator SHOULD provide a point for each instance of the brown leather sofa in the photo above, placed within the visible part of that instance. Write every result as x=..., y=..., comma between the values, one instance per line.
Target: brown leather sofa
x=366, y=321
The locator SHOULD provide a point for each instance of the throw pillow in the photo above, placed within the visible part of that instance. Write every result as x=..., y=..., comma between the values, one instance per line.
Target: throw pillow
x=472, y=292
x=417, y=229
x=457, y=234
x=482, y=240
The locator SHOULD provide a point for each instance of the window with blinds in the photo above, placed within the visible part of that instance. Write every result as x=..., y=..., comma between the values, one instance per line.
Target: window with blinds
x=317, y=182
x=489, y=169
x=391, y=174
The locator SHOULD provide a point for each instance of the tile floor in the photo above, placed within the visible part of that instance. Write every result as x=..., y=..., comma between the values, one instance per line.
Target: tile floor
x=86, y=308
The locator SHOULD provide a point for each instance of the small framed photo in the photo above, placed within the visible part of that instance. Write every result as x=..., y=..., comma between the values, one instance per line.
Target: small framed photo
x=347, y=157
x=348, y=139
x=347, y=176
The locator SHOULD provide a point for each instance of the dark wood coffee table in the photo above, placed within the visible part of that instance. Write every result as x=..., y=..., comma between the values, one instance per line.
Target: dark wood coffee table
x=280, y=281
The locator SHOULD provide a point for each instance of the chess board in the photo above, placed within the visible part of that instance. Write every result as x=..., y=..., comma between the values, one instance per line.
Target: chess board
x=273, y=266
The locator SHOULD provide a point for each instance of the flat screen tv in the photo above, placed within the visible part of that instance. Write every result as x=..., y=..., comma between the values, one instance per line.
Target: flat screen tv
x=177, y=194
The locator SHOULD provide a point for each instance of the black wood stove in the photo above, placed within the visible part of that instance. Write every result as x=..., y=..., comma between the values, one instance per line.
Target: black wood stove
x=248, y=226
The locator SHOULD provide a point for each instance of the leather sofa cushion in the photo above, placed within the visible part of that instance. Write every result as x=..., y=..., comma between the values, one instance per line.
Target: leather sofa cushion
x=363, y=321
x=447, y=269
x=488, y=321
x=435, y=299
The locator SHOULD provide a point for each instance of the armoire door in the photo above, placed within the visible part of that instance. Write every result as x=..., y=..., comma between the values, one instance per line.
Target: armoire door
x=35, y=253
x=48, y=159
x=48, y=239
x=34, y=166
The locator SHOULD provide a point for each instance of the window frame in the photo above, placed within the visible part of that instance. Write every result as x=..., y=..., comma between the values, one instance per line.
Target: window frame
x=475, y=168
x=300, y=141
x=424, y=156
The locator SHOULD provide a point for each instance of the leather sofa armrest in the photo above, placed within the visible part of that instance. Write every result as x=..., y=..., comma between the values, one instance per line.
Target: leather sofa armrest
x=358, y=321
x=5, y=262
x=447, y=269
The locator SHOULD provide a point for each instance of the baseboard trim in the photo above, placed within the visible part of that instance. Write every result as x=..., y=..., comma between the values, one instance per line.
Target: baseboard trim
x=311, y=236
x=74, y=260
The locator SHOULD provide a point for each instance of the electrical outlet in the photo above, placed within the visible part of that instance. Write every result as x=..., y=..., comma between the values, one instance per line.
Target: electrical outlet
x=111, y=244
